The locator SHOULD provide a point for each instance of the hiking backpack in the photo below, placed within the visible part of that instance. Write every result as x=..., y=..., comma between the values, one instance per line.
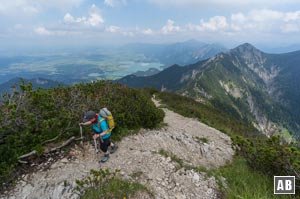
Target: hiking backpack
x=106, y=114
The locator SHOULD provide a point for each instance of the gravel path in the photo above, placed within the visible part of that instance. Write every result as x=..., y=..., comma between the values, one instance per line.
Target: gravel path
x=191, y=141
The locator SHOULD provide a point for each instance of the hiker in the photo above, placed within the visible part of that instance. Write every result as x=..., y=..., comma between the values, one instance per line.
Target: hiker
x=101, y=130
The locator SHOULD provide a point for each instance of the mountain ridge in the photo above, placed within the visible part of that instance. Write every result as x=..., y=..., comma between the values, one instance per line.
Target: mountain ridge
x=243, y=81
x=37, y=82
x=181, y=53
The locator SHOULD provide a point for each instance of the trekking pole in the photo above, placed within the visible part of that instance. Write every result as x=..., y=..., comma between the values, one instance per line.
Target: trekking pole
x=80, y=131
x=81, y=137
x=96, y=145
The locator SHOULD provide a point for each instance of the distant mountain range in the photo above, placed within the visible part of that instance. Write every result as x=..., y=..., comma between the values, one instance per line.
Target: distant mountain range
x=253, y=86
x=149, y=72
x=36, y=83
x=181, y=53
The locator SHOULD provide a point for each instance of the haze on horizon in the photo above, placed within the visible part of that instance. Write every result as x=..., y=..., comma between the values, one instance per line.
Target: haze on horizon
x=78, y=23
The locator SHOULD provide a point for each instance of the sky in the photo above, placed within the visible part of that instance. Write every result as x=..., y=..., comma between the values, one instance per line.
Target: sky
x=38, y=23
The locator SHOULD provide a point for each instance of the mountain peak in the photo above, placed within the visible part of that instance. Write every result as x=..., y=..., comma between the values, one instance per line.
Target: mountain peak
x=246, y=47
x=247, y=50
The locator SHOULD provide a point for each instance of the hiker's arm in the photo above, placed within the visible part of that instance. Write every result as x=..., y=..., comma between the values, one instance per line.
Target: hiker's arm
x=100, y=134
x=85, y=123
x=103, y=133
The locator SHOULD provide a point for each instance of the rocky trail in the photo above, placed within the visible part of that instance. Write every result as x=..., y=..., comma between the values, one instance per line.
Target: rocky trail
x=194, y=143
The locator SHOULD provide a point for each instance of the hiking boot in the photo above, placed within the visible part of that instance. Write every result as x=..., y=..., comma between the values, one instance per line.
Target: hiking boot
x=105, y=158
x=113, y=148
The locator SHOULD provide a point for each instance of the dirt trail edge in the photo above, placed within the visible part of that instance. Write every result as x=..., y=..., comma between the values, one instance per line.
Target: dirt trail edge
x=195, y=143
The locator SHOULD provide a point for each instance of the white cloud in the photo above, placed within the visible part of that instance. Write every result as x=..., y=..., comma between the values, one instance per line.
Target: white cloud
x=24, y=7
x=170, y=28
x=69, y=18
x=94, y=19
x=215, y=23
x=112, y=29
x=237, y=20
x=114, y=3
x=42, y=31
x=265, y=20
x=148, y=31
x=265, y=15
x=223, y=3
x=33, y=7
x=109, y=3
x=259, y=25
x=292, y=16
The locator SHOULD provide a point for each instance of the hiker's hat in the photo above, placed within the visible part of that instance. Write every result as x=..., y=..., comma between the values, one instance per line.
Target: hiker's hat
x=88, y=116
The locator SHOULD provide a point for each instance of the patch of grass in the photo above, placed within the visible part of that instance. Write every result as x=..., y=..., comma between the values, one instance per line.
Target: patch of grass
x=200, y=140
x=115, y=188
x=181, y=164
x=244, y=182
x=173, y=157
x=136, y=174
x=161, y=125
x=286, y=136
x=104, y=184
x=163, y=106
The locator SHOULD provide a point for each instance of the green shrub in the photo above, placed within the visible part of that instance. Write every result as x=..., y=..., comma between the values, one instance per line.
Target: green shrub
x=271, y=157
x=28, y=118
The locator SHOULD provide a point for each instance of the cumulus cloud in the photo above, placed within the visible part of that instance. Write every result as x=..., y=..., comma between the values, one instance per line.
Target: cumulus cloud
x=261, y=23
x=214, y=24
x=170, y=28
x=266, y=20
x=256, y=21
x=94, y=19
x=69, y=18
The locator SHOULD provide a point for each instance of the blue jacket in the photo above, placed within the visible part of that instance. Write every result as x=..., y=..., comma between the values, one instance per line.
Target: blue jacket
x=103, y=127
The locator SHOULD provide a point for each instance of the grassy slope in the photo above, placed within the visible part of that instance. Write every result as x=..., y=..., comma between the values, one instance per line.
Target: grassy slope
x=241, y=180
